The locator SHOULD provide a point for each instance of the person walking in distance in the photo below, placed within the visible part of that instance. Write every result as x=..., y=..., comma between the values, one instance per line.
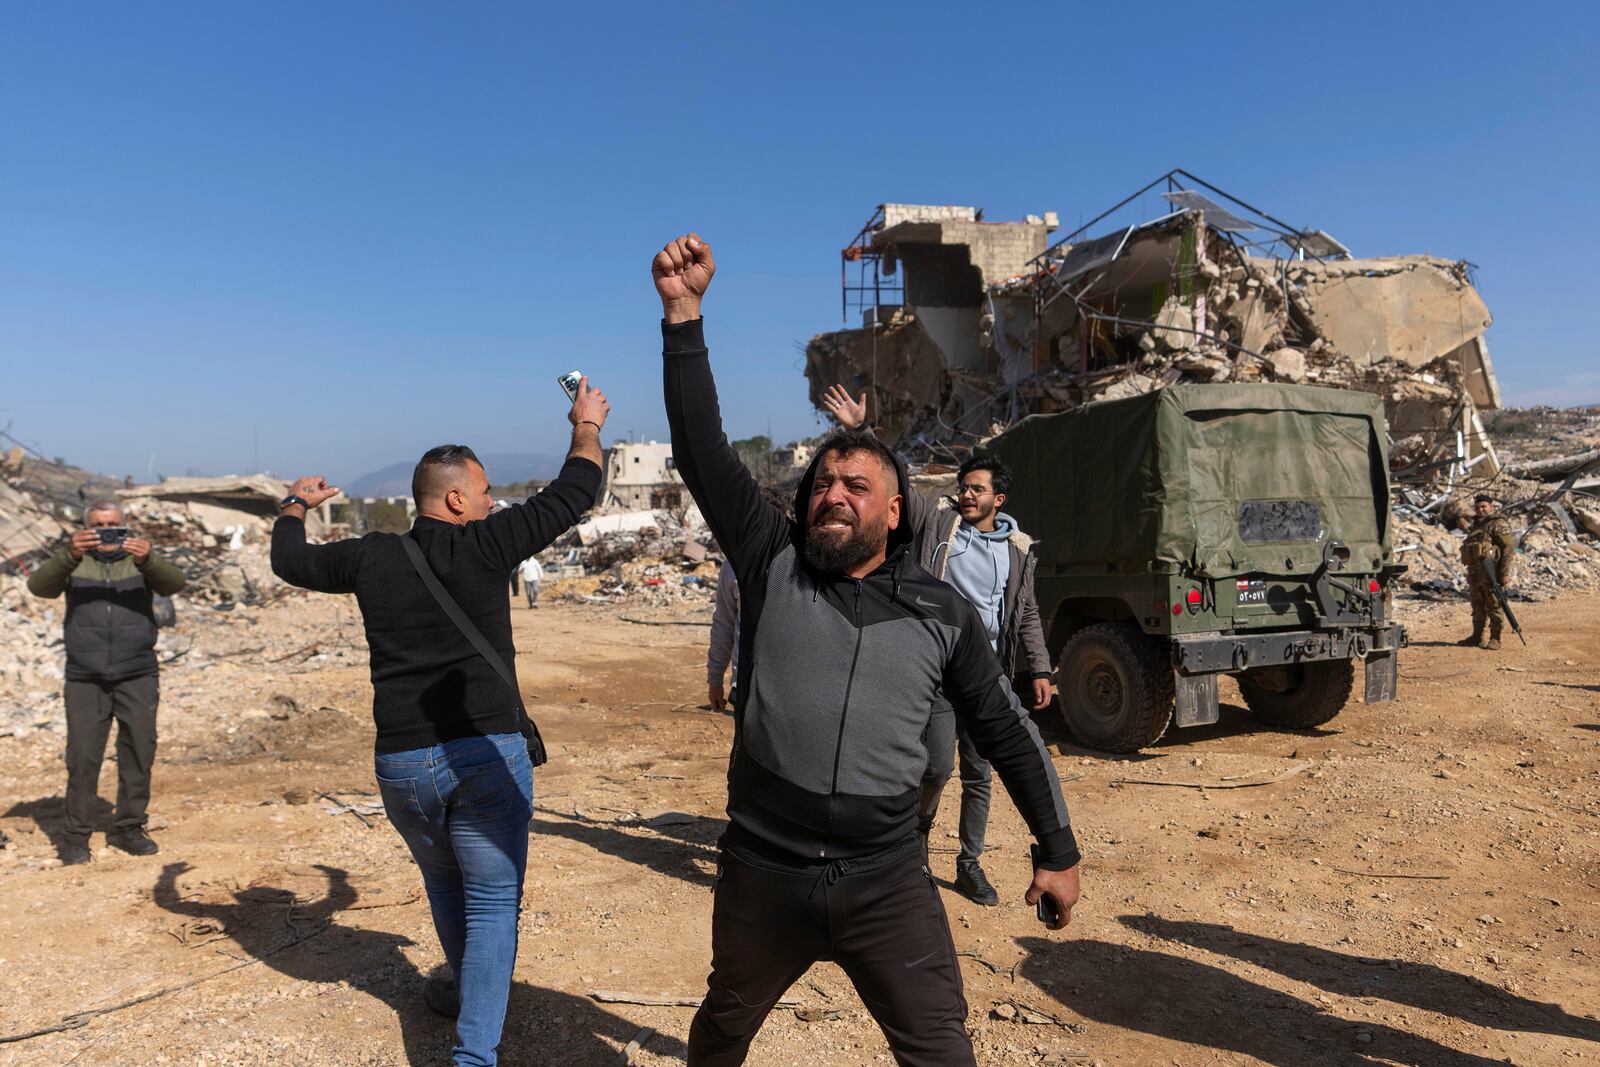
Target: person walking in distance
x=455, y=750
x=844, y=645
x=109, y=577
x=532, y=578
x=979, y=550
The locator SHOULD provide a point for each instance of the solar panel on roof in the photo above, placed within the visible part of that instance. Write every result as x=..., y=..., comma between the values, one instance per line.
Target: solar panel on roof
x=1217, y=215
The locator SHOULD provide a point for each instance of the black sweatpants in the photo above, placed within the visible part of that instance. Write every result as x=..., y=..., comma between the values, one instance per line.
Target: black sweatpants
x=879, y=919
x=91, y=706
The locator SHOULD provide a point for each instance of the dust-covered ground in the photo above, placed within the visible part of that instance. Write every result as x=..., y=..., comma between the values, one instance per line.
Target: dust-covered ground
x=1418, y=883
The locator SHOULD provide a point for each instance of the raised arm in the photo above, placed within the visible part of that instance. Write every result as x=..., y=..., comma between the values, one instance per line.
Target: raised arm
x=750, y=530
x=513, y=534
x=320, y=568
x=981, y=694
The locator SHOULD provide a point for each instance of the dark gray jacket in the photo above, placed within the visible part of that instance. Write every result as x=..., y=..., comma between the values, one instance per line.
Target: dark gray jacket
x=838, y=676
x=110, y=629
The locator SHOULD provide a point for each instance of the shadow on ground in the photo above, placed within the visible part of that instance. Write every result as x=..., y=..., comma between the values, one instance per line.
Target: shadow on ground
x=1183, y=1000
x=49, y=814
x=1419, y=985
x=303, y=939
x=669, y=845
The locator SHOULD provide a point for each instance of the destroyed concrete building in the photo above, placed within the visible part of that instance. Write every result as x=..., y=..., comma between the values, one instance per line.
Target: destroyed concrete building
x=640, y=475
x=966, y=325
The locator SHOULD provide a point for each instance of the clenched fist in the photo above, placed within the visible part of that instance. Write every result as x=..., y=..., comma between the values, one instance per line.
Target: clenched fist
x=682, y=271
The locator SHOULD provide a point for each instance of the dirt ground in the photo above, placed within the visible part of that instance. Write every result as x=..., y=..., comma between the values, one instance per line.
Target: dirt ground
x=1417, y=883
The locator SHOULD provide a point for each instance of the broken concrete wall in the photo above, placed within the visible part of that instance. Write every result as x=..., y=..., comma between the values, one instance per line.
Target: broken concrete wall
x=1413, y=309
x=897, y=364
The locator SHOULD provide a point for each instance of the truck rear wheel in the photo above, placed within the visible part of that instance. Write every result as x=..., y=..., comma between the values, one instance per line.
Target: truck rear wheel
x=1300, y=695
x=1116, y=690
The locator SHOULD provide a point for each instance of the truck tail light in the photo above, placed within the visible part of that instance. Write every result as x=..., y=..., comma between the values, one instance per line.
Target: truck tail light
x=1373, y=586
x=1194, y=601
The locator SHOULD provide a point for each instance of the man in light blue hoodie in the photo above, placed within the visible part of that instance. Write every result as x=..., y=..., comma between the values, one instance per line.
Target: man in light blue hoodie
x=990, y=562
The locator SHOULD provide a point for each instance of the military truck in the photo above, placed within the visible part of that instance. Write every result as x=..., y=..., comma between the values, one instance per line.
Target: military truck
x=1202, y=530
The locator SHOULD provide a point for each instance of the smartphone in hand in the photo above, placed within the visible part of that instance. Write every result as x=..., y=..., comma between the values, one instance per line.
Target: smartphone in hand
x=569, y=384
x=1045, y=909
x=113, y=535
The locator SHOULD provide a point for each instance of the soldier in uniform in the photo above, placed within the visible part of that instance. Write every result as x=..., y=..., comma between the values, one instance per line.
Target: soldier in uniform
x=1489, y=538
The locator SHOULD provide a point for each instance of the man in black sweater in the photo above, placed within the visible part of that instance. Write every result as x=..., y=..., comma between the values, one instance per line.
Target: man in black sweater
x=455, y=748
x=844, y=645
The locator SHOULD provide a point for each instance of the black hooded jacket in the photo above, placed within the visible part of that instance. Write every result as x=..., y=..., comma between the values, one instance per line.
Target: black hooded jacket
x=838, y=676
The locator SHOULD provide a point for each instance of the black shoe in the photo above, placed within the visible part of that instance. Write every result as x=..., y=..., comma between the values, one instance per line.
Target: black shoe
x=73, y=853
x=440, y=993
x=134, y=842
x=974, y=885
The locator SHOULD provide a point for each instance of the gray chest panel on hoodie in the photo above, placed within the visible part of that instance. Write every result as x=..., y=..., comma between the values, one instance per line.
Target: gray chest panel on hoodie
x=826, y=694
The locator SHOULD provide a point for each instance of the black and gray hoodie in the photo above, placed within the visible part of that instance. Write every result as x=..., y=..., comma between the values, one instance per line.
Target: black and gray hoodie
x=838, y=676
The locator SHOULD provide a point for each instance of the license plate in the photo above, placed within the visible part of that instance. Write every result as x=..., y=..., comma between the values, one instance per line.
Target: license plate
x=1251, y=592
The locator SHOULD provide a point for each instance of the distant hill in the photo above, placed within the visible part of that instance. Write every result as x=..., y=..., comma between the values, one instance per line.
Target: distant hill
x=504, y=468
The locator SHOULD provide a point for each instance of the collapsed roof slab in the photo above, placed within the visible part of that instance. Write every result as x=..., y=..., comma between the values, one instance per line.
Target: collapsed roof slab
x=1413, y=309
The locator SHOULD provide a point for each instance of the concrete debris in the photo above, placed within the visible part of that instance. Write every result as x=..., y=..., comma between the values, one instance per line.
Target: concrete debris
x=28, y=527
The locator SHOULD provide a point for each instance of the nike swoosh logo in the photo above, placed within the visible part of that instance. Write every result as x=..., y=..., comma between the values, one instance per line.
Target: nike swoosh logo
x=926, y=603
x=929, y=956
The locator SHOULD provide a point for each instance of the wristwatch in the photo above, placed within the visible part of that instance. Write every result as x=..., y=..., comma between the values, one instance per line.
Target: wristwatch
x=290, y=500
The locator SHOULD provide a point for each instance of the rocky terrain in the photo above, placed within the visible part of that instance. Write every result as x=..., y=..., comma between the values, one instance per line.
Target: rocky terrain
x=1418, y=882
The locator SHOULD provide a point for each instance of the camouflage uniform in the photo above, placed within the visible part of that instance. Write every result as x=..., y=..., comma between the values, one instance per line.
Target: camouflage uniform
x=1489, y=538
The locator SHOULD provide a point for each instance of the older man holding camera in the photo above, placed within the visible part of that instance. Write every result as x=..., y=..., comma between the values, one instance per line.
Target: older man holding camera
x=110, y=578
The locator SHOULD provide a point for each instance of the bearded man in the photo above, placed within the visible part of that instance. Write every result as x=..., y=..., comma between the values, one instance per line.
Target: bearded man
x=845, y=644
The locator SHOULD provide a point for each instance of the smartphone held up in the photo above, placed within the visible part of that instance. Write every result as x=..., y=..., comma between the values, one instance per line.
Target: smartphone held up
x=569, y=384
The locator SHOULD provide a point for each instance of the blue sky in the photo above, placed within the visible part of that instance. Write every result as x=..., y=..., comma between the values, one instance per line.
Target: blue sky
x=336, y=234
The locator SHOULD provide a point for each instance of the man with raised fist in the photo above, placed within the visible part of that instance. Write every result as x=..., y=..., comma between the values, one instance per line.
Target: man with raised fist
x=844, y=643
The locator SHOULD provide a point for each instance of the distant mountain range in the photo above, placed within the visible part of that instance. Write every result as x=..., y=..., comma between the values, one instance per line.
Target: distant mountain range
x=504, y=469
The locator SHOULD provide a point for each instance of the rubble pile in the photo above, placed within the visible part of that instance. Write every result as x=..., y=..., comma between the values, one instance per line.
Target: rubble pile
x=647, y=582
x=658, y=558
x=968, y=325
x=32, y=658
x=219, y=532
x=1558, y=541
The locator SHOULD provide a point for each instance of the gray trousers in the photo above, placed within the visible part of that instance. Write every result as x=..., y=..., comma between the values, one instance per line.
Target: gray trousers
x=947, y=738
x=91, y=706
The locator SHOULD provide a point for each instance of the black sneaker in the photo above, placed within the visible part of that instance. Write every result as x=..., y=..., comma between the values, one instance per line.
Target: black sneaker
x=73, y=853
x=134, y=842
x=440, y=993
x=974, y=885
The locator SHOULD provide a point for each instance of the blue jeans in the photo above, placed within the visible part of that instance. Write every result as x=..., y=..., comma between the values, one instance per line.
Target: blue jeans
x=463, y=808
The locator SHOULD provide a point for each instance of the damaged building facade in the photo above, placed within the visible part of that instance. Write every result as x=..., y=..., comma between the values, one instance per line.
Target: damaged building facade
x=959, y=326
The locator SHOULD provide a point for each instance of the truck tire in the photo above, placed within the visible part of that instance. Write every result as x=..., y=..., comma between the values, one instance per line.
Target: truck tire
x=1299, y=696
x=1116, y=689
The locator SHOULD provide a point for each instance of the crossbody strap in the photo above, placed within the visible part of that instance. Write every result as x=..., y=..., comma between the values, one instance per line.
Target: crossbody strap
x=464, y=624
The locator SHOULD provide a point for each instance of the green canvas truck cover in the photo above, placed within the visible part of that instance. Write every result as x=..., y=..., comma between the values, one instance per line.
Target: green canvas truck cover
x=1221, y=479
